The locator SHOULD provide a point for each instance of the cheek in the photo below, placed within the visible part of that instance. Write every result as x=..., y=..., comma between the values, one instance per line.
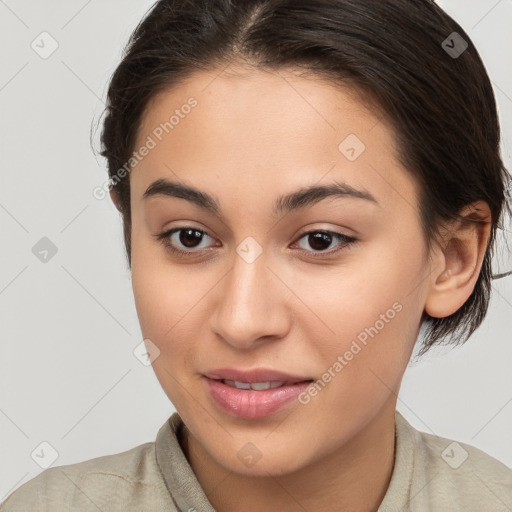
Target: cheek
x=363, y=363
x=372, y=308
x=364, y=293
x=160, y=289
x=368, y=327
x=169, y=300
x=167, y=319
x=157, y=293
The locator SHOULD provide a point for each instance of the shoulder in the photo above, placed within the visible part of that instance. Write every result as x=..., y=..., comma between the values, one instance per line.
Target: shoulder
x=448, y=472
x=109, y=483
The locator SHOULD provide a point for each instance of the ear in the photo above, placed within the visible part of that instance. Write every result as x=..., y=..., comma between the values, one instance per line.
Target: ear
x=115, y=199
x=457, y=260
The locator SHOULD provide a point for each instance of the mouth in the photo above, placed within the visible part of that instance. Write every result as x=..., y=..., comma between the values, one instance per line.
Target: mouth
x=260, y=386
x=255, y=376
x=256, y=393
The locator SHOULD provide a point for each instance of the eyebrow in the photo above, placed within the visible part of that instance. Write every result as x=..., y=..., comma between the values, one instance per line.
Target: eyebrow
x=301, y=198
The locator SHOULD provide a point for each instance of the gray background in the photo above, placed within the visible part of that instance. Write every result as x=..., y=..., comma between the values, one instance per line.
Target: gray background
x=68, y=375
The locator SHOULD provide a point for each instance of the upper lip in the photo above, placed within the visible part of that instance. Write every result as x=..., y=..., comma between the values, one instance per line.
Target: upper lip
x=254, y=375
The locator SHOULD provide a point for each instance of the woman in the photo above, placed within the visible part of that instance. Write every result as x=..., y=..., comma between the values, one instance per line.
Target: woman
x=303, y=186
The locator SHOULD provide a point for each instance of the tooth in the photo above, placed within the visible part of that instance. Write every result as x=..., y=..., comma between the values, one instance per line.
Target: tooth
x=241, y=385
x=260, y=386
x=257, y=386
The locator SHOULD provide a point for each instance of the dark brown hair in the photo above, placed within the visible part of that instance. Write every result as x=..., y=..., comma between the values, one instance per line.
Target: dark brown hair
x=395, y=52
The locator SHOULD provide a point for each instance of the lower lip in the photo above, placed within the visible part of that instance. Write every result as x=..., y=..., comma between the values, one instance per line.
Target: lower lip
x=250, y=403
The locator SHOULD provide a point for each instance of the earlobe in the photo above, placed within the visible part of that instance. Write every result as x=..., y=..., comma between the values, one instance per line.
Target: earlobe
x=458, y=261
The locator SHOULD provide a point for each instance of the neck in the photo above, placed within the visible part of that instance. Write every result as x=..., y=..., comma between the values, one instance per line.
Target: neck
x=353, y=478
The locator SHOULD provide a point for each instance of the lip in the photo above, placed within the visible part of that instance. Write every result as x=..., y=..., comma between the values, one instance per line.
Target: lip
x=250, y=403
x=254, y=375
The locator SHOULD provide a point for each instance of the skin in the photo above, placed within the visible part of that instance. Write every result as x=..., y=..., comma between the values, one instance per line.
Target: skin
x=253, y=136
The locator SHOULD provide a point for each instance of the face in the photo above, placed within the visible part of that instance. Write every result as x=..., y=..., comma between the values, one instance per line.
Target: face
x=328, y=288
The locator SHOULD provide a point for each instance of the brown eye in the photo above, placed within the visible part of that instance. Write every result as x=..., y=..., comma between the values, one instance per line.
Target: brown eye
x=186, y=241
x=187, y=237
x=190, y=237
x=319, y=241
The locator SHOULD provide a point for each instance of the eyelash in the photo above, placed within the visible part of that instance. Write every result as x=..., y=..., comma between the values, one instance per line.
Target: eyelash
x=347, y=241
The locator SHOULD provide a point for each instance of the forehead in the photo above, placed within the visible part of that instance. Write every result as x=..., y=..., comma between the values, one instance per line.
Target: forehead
x=260, y=104
x=256, y=130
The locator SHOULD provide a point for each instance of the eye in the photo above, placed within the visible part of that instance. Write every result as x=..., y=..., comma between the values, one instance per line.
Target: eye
x=320, y=240
x=187, y=236
x=191, y=238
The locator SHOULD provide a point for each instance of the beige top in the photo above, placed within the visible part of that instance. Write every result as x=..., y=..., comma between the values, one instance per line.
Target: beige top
x=431, y=473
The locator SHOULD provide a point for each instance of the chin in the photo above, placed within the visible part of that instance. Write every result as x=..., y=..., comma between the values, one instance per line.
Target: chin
x=250, y=461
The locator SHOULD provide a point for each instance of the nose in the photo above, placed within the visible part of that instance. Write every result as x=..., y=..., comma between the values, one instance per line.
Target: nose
x=252, y=304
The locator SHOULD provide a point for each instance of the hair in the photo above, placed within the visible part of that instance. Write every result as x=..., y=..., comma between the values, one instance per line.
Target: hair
x=441, y=107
